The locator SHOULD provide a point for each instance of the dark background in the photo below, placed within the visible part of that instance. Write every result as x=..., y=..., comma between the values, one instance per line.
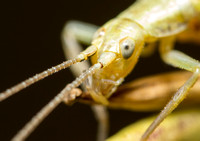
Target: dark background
x=30, y=43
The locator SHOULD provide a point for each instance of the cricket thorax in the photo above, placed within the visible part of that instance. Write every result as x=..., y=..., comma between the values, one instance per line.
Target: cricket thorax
x=170, y=17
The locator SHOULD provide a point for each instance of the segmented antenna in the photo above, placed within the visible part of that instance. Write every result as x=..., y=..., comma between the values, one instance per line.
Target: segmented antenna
x=37, y=77
x=37, y=119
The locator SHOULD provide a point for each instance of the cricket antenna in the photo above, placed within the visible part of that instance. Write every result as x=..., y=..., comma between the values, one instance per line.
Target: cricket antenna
x=37, y=119
x=81, y=57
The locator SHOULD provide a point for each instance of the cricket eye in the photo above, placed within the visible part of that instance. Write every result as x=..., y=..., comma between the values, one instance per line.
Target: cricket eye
x=127, y=47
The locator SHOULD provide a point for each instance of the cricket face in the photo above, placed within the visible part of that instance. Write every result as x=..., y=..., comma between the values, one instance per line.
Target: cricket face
x=119, y=44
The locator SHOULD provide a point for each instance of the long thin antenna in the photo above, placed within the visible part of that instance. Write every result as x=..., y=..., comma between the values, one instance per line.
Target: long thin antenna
x=37, y=119
x=36, y=78
x=81, y=57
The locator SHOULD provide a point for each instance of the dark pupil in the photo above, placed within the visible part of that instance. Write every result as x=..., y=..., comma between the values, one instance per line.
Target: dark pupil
x=126, y=47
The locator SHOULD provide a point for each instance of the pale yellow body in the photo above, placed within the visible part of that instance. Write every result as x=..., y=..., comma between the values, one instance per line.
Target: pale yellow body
x=115, y=49
x=158, y=19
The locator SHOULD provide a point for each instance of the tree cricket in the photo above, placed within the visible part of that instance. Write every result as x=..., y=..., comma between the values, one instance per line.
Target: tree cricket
x=116, y=47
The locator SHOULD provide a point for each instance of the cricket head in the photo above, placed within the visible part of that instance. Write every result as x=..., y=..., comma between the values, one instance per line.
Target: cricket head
x=119, y=44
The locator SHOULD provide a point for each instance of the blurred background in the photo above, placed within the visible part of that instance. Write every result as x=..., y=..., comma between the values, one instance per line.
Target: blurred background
x=30, y=43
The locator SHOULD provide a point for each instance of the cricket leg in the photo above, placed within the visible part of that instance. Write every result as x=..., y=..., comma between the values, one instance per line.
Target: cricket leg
x=180, y=60
x=73, y=33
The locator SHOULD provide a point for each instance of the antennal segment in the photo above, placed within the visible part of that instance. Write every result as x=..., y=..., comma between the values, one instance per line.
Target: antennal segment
x=83, y=56
x=36, y=78
x=37, y=119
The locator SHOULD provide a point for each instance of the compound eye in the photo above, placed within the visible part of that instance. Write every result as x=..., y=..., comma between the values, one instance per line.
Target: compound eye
x=127, y=48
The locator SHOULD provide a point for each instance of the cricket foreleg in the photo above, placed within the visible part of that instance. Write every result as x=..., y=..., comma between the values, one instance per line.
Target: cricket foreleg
x=180, y=60
x=73, y=33
x=102, y=117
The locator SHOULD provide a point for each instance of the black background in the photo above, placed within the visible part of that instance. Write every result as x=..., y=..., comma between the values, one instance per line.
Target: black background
x=30, y=43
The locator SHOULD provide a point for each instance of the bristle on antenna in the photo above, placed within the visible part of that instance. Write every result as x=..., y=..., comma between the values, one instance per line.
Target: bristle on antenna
x=64, y=94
